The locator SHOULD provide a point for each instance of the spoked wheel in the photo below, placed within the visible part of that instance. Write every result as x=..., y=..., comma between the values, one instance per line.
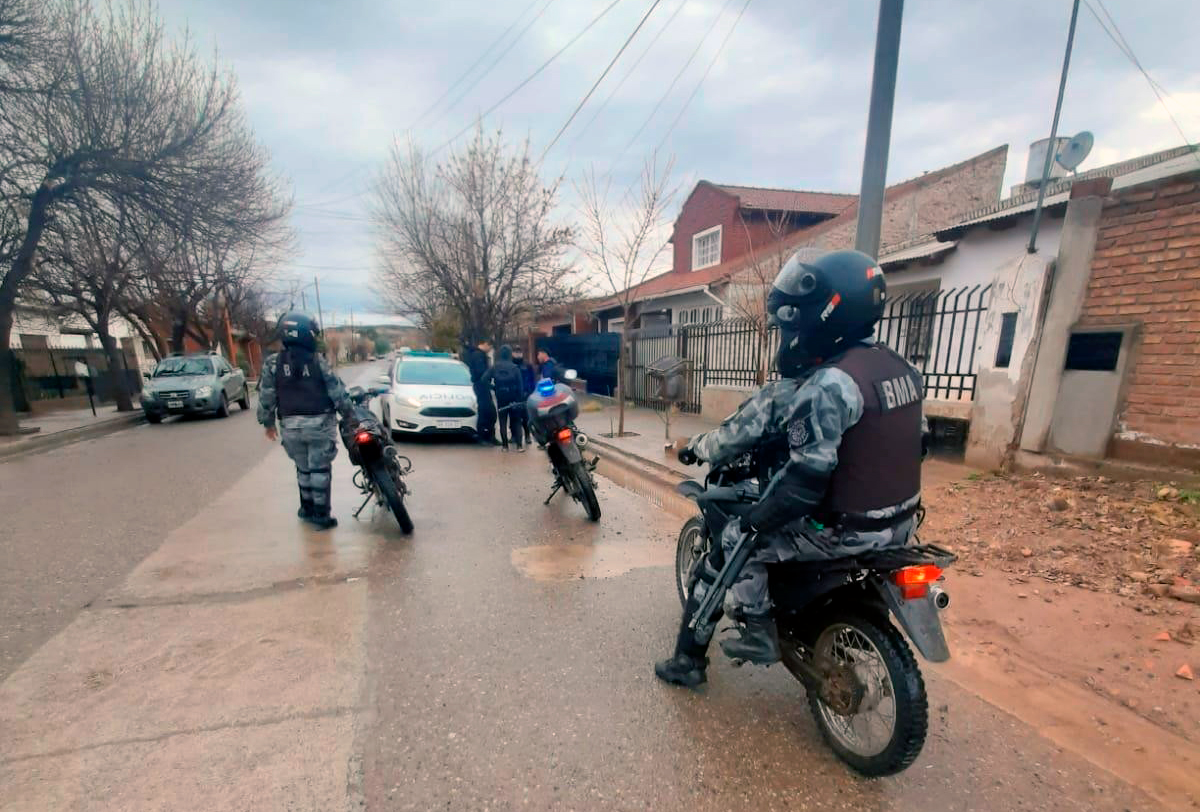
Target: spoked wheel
x=585, y=492
x=386, y=481
x=689, y=552
x=871, y=709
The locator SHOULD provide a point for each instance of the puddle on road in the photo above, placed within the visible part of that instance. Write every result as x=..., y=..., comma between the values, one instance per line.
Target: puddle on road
x=562, y=562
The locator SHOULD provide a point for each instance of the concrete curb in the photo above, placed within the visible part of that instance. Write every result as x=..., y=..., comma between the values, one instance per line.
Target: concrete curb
x=657, y=473
x=58, y=439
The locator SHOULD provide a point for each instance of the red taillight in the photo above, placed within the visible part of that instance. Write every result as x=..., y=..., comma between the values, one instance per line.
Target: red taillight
x=914, y=581
x=362, y=437
x=564, y=435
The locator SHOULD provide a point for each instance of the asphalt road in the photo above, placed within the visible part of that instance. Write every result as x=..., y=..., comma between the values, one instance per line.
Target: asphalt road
x=499, y=658
x=76, y=520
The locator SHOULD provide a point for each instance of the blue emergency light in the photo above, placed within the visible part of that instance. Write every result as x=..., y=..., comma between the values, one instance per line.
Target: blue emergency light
x=545, y=387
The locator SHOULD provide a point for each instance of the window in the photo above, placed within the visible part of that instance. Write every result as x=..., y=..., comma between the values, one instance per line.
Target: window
x=1094, y=352
x=1008, y=329
x=683, y=317
x=433, y=373
x=706, y=248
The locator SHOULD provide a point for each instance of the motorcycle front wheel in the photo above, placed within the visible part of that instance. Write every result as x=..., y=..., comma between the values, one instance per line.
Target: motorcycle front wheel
x=873, y=711
x=585, y=492
x=689, y=552
x=386, y=483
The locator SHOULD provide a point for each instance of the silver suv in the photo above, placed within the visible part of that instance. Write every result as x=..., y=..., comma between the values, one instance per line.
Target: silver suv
x=193, y=384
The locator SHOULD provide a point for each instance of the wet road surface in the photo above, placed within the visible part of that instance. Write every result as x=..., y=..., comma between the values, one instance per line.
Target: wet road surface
x=500, y=658
x=77, y=519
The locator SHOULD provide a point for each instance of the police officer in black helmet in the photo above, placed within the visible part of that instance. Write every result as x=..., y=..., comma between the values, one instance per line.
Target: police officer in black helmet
x=837, y=441
x=298, y=386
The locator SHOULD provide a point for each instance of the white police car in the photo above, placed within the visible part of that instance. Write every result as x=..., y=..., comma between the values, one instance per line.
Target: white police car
x=428, y=393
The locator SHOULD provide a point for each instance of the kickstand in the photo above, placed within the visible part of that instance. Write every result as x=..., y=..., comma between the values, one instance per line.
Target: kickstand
x=557, y=487
x=363, y=505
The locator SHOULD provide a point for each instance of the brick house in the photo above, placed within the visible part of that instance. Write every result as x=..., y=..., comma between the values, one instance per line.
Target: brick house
x=724, y=230
x=1145, y=285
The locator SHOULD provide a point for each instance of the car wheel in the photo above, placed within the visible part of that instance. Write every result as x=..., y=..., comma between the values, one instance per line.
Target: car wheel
x=153, y=417
x=244, y=400
x=223, y=409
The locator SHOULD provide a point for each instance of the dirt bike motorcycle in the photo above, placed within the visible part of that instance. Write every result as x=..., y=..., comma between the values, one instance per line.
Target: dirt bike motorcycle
x=381, y=468
x=836, y=634
x=552, y=411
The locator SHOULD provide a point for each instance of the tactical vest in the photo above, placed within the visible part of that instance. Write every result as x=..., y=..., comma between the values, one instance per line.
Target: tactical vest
x=300, y=390
x=879, y=459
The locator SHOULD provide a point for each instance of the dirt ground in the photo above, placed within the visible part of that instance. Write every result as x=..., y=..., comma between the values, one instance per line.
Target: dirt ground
x=1087, y=579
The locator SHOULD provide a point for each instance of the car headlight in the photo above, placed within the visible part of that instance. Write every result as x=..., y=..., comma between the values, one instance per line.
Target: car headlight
x=204, y=391
x=147, y=394
x=412, y=403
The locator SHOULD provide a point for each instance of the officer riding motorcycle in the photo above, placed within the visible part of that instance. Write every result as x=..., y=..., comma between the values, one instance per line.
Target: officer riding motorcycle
x=838, y=442
x=298, y=385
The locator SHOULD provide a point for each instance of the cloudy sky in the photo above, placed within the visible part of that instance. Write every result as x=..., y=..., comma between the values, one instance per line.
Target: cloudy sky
x=328, y=86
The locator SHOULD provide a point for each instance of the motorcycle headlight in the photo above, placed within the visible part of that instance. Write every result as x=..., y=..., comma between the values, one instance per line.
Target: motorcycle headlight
x=204, y=391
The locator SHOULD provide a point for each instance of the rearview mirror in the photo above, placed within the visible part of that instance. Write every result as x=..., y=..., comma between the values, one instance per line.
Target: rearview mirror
x=570, y=375
x=355, y=392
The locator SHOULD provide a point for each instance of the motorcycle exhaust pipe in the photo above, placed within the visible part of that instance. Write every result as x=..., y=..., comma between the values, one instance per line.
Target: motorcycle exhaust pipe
x=581, y=439
x=941, y=598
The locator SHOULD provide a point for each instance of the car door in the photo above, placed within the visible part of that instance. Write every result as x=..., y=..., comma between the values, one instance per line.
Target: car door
x=228, y=383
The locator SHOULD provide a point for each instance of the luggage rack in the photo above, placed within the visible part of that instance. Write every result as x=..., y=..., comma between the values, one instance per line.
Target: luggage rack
x=895, y=558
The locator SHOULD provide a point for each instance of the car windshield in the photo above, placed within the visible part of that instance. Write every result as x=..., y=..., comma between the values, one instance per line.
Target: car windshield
x=183, y=366
x=433, y=373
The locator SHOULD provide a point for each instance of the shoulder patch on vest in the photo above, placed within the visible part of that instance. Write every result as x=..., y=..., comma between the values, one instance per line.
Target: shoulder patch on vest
x=898, y=392
x=800, y=430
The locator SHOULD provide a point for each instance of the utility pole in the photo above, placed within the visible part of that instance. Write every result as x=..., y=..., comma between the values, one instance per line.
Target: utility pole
x=1051, y=149
x=320, y=315
x=879, y=127
x=304, y=300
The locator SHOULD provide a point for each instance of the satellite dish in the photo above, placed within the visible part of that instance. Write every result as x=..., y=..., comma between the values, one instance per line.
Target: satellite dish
x=1074, y=151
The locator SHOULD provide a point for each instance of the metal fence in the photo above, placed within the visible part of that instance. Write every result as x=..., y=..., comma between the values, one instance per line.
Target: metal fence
x=53, y=369
x=936, y=331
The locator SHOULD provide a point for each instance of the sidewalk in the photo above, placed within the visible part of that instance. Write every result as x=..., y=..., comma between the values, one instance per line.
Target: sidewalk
x=56, y=429
x=645, y=430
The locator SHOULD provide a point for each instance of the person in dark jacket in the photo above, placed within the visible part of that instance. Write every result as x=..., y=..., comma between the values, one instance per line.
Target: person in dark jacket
x=528, y=382
x=547, y=366
x=506, y=380
x=839, y=439
x=297, y=386
x=477, y=361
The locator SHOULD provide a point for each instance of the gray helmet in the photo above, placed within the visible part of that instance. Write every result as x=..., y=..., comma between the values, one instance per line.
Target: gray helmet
x=299, y=330
x=823, y=303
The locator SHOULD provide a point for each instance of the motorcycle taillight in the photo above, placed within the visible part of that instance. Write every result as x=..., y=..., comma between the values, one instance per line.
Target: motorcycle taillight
x=363, y=437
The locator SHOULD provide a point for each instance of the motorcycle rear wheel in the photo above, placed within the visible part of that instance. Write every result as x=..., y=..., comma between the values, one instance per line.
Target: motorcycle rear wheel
x=886, y=730
x=584, y=491
x=386, y=484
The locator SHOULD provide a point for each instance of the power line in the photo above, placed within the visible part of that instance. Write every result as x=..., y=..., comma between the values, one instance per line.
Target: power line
x=678, y=76
x=532, y=76
x=476, y=64
x=596, y=84
x=707, y=70
x=495, y=61
x=630, y=72
x=1124, y=47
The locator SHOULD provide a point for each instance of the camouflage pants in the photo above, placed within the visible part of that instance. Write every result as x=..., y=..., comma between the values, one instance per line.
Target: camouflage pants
x=311, y=443
x=749, y=594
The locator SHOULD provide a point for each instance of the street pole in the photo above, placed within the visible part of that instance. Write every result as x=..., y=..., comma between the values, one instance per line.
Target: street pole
x=303, y=300
x=879, y=127
x=1051, y=151
x=321, y=316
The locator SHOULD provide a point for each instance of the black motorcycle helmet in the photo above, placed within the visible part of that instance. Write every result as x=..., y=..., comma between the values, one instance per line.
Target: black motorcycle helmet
x=823, y=302
x=299, y=330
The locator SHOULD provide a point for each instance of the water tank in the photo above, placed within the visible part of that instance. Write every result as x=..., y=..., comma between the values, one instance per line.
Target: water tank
x=1037, y=161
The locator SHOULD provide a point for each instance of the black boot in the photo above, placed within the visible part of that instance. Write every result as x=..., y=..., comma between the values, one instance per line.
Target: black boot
x=758, y=642
x=306, y=506
x=320, y=517
x=688, y=666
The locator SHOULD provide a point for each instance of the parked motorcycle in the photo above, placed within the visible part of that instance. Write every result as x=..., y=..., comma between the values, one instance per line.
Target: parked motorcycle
x=864, y=686
x=552, y=411
x=381, y=468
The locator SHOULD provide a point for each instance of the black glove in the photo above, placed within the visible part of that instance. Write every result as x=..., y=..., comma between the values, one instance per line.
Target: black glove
x=687, y=456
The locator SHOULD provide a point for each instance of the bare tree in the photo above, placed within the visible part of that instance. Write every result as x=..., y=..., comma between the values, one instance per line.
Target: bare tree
x=89, y=260
x=748, y=289
x=134, y=118
x=475, y=236
x=624, y=243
